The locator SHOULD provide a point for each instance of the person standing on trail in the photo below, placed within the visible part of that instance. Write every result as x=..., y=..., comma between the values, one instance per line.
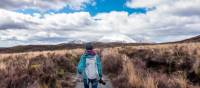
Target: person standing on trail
x=90, y=67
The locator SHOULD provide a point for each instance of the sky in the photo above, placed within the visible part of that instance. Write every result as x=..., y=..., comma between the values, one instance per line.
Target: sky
x=25, y=22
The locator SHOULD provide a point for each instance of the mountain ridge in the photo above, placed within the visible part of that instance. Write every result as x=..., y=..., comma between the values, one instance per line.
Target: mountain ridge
x=193, y=39
x=80, y=44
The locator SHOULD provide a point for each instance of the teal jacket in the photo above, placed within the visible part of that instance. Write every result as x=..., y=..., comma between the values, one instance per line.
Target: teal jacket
x=82, y=65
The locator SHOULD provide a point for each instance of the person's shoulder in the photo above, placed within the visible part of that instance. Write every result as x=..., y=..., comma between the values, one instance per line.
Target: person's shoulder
x=97, y=56
x=83, y=55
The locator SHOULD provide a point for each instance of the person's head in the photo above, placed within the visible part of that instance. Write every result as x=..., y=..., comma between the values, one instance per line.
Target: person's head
x=89, y=46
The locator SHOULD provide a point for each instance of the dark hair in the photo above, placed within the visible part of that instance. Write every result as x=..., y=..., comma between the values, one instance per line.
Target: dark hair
x=88, y=46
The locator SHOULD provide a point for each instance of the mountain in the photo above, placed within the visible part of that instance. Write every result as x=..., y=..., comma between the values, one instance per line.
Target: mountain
x=76, y=42
x=112, y=40
x=116, y=38
x=31, y=48
x=143, y=40
x=193, y=39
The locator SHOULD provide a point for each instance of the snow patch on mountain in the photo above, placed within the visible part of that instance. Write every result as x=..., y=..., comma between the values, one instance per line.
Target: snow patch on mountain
x=77, y=41
x=116, y=38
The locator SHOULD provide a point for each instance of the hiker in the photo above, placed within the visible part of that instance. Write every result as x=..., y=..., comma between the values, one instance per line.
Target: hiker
x=90, y=67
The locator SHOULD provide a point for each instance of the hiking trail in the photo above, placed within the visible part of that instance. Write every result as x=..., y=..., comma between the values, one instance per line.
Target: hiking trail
x=105, y=78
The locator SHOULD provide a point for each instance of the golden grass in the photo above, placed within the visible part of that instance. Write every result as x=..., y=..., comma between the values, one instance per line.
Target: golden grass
x=150, y=83
x=182, y=81
x=149, y=66
x=133, y=77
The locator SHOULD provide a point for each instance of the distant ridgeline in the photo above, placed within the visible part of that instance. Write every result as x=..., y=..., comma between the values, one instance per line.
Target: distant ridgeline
x=27, y=48
x=193, y=39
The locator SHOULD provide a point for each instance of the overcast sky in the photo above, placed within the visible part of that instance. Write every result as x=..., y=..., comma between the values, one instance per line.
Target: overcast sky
x=25, y=22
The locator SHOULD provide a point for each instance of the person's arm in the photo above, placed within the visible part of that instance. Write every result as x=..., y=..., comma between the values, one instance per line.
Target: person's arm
x=99, y=65
x=80, y=67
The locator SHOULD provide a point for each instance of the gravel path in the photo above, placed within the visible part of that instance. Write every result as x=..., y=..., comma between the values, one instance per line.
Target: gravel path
x=108, y=84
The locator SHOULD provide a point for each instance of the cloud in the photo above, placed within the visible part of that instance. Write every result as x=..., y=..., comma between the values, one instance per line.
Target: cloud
x=44, y=4
x=65, y=21
x=142, y=3
x=13, y=20
x=167, y=22
x=178, y=7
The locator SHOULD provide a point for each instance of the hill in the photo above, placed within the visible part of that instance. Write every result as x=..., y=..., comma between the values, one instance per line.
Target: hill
x=193, y=39
x=79, y=44
x=29, y=48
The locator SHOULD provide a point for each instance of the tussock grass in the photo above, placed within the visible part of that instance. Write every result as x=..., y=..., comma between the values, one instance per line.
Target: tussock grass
x=46, y=69
x=149, y=66
x=156, y=66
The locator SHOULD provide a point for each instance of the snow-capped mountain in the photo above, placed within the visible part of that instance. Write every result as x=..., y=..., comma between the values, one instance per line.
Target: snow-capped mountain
x=77, y=42
x=116, y=38
x=145, y=41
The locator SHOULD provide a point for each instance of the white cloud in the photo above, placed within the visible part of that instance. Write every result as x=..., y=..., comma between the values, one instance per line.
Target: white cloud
x=177, y=7
x=167, y=22
x=64, y=21
x=143, y=3
x=44, y=4
x=13, y=20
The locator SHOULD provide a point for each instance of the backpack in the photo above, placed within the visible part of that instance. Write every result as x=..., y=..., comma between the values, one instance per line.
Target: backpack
x=91, y=69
